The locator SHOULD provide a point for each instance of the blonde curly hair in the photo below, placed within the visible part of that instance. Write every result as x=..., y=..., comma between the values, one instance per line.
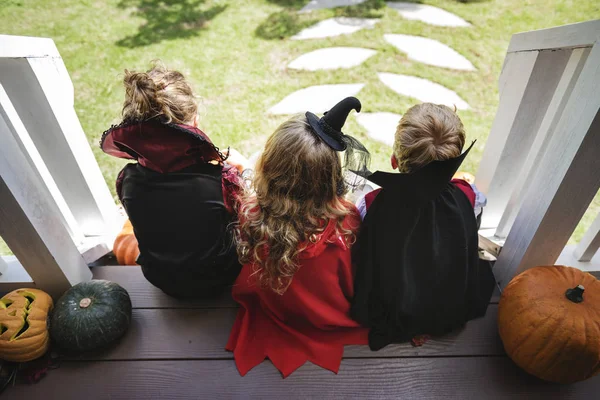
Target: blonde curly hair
x=297, y=184
x=427, y=132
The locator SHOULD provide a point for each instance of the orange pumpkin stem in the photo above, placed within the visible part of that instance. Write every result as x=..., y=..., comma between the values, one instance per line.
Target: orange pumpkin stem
x=575, y=294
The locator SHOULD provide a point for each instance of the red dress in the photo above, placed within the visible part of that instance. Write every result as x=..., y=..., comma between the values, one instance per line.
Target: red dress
x=310, y=321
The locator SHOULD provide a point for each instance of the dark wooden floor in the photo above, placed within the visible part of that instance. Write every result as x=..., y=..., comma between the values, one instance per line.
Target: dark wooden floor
x=174, y=350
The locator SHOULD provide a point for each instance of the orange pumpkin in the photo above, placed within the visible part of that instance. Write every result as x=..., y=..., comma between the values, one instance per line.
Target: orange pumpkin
x=549, y=322
x=23, y=325
x=125, y=247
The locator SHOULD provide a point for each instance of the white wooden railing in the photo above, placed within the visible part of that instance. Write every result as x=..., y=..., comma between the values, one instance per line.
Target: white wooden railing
x=56, y=212
x=540, y=169
x=541, y=165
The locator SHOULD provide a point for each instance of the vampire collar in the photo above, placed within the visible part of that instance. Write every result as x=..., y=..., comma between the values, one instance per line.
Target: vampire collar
x=424, y=183
x=159, y=146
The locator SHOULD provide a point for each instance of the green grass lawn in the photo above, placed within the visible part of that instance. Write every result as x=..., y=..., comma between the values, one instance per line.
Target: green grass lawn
x=235, y=54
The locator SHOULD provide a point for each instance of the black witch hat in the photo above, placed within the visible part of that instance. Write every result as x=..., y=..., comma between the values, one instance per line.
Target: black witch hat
x=329, y=129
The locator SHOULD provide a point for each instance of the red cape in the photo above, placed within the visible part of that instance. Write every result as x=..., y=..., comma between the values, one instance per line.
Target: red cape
x=310, y=321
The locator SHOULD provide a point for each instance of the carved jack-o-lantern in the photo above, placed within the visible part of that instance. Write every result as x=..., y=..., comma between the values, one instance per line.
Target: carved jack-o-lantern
x=23, y=325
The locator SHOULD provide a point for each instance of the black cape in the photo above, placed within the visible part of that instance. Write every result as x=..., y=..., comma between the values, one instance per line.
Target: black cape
x=417, y=260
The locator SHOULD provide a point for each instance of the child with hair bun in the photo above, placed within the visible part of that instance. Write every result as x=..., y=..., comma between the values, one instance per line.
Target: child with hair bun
x=417, y=259
x=181, y=194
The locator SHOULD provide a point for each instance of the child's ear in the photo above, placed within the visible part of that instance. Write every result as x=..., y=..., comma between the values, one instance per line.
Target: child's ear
x=394, y=162
x=196, y=118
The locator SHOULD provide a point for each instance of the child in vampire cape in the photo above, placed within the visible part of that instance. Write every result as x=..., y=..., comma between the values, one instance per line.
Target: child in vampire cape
x=296, y=233
x=180, y=195
x=418, y=270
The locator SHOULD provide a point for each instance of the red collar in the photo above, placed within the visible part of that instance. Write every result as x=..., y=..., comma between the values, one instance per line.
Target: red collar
x=160, y=147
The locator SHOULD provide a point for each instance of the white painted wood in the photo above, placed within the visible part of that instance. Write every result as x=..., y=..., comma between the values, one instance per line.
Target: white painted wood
x=582, y=34
x=564, y=184
x=538, y=149
x=590, y=243
x=31, y=223
x=33, y=156
x=530, y=80
x=3, y=266
x=512, y=83
x=567, y=257
x=25, y=46
x=15, y=277
x=42, y=94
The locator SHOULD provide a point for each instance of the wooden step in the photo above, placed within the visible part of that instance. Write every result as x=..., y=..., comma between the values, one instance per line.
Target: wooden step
x=178, y=334
x=415, y=378
x=144, y=295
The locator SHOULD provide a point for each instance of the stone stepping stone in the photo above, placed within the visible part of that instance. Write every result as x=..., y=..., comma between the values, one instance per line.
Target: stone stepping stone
x=429, y=51
x=319, y=4
x=380, y=126
x=428, y=14
x=316, y=99
x=335, y=27
x=331, y=58
x=423, y=90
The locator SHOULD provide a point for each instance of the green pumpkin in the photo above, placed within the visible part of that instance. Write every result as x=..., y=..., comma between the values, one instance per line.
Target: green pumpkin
x=90, y=315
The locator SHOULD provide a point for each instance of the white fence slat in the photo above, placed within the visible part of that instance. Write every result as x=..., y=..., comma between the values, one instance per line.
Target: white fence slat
x=31, y=222
x=590, y=243
x=39, y=166
x=521, y=110
x=511, y=85
x=544, y=134
x=41, y=92
x=582, y=34
x=564, y=184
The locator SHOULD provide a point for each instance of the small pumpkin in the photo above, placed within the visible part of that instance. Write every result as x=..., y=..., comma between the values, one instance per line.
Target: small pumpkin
x=23, y=325
x=125, y=247
x=91, y=315
x=549, y=323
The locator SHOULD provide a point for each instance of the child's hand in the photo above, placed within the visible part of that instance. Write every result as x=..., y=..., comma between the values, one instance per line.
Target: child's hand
x=465, y=176
x=237, y=160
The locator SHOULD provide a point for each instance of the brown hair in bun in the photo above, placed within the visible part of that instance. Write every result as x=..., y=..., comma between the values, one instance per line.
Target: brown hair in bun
x=158, y=92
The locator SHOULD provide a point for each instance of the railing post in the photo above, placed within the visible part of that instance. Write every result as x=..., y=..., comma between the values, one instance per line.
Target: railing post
x=564, y=183
x=31, y=222
x=42, y=94
x=530, y=79
x=590, y=243
x=543, y=136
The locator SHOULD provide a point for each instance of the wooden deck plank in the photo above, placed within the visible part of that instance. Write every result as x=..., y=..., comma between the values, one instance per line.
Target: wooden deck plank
x=174, y=334
x=145, y=295
x=449, y=378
